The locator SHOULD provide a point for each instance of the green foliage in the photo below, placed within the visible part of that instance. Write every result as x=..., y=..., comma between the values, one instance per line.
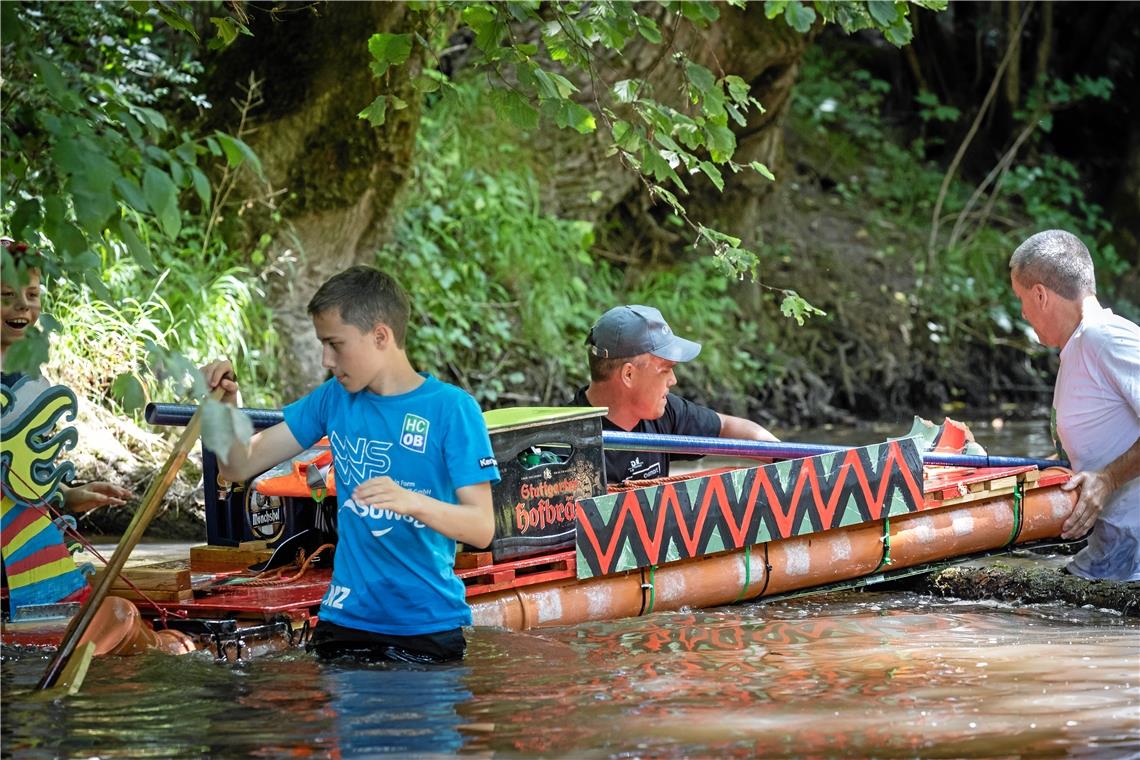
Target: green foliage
x=664, y=143
x=967, y=297
x=503, y=295
x=90, y=162
x=137, y=342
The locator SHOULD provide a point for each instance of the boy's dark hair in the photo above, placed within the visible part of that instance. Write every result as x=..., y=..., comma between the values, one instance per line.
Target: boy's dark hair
x=365, y=296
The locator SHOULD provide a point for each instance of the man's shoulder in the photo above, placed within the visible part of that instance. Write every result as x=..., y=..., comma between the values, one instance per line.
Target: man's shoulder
x=1111, y=332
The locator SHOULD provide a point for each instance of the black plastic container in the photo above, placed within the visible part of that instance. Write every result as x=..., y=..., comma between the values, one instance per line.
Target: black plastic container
x=549, y=457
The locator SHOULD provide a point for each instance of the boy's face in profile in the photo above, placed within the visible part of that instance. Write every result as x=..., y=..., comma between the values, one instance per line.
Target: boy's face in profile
x=354, y=356
x=20, y=307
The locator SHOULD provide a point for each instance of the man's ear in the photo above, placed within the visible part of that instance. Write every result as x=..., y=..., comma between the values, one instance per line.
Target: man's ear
x=1041, y=294
x=626, y=374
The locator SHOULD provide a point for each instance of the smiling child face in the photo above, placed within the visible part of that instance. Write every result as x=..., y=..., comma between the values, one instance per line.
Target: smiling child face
x=19, y=307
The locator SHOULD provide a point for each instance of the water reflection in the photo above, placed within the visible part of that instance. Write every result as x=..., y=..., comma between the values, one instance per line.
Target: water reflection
x=888, y=674
x=872, y=673
x=895, y=677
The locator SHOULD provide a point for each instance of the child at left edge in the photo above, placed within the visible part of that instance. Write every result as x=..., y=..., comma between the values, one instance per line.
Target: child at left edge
x=19, y=310
x=414, y=468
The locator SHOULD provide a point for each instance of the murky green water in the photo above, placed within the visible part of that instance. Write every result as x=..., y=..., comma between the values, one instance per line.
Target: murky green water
x=883, y=674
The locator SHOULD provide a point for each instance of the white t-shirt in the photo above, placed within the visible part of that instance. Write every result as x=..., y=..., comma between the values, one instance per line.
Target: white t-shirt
x=1096, y=404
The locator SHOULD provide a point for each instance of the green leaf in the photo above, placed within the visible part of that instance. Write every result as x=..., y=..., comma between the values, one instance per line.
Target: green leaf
x=515, y=107
x=11, y=28
x=130, y=193
x=237, y=151
x=227, y=31
x=29, y=354
x=388, y=50
x=799, y=16
x=176, y=21
x=626, y=90
x=26, y=218
x=763, y=170
x=796, y=307
x=52, y=79
x=721, y=142
x=201, y=184
x=900, y=33
x=223, y=426
x=162, y=197
x=376, y=111
x=713, y=174
x=773, y=8
x=484, y=23
x=668, y=197
x=135, y=246
x=129, y=391
x=570, y=114
x=885, y=12
x=647, y=28
x=700, y=77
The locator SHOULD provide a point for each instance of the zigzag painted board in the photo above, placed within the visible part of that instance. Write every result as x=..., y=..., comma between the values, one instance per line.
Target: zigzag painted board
x=731, y=510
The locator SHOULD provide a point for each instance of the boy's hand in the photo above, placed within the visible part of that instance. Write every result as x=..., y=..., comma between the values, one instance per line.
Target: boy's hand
x=385, y=493
x=221, y=374
x=94, y=495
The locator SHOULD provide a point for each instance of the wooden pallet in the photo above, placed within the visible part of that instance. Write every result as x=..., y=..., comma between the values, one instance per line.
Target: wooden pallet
x=482, y=575
x=983, y=485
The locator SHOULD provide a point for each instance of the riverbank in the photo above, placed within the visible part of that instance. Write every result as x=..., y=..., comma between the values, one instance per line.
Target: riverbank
x=1026, y=577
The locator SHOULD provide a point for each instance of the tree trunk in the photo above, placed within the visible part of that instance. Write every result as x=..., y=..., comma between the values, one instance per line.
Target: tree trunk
x=339, y=175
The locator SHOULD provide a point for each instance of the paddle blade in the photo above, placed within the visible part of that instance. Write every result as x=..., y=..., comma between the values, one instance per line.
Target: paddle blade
x=71, y=677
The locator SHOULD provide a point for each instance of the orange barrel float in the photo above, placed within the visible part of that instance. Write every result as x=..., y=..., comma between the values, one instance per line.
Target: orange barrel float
x=1028, y=506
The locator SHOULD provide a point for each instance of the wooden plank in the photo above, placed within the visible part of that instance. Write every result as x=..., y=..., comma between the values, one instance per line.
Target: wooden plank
x=213, y=557
x=150, y=578
x=148, y=595
x=465, y=560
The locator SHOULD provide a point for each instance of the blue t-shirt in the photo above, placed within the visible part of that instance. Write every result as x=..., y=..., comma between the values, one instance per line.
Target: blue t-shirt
x=393, y=574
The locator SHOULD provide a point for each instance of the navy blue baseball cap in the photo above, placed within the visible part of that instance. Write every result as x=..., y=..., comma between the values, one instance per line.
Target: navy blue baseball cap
x=634, y=330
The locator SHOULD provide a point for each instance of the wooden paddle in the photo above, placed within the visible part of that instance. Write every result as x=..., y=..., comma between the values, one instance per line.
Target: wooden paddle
x=151, y=501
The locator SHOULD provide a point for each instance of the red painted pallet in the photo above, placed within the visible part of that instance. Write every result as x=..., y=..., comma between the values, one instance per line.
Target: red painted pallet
x=481, y=575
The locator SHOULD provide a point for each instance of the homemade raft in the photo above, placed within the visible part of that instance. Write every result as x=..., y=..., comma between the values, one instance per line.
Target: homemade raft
x=568, y=549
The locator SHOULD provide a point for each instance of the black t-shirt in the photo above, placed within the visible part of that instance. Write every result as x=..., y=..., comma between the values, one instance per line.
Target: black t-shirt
x=681, y=417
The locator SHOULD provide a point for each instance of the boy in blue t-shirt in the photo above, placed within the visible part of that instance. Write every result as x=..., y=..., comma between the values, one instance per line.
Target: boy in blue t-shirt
x=414, y=468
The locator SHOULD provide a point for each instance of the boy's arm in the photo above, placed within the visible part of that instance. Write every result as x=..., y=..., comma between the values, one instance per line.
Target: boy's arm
x=471, y=521
x=266, y=449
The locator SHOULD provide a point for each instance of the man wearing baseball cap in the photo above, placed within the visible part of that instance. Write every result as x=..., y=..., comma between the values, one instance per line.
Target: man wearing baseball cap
x=632, y=354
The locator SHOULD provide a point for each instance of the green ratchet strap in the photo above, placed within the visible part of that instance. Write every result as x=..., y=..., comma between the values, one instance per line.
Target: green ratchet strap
x=747, y=573
x=886, y=545
x=1018, y=509
x=647, y=609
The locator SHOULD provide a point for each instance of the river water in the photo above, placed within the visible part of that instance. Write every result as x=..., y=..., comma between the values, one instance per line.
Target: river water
x=872, y=673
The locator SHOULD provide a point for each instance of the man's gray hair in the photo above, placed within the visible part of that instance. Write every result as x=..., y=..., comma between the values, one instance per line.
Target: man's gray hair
x=1059, y=261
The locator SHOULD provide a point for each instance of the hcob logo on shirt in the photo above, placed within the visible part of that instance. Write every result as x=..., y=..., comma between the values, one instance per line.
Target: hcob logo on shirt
x=415, y=433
